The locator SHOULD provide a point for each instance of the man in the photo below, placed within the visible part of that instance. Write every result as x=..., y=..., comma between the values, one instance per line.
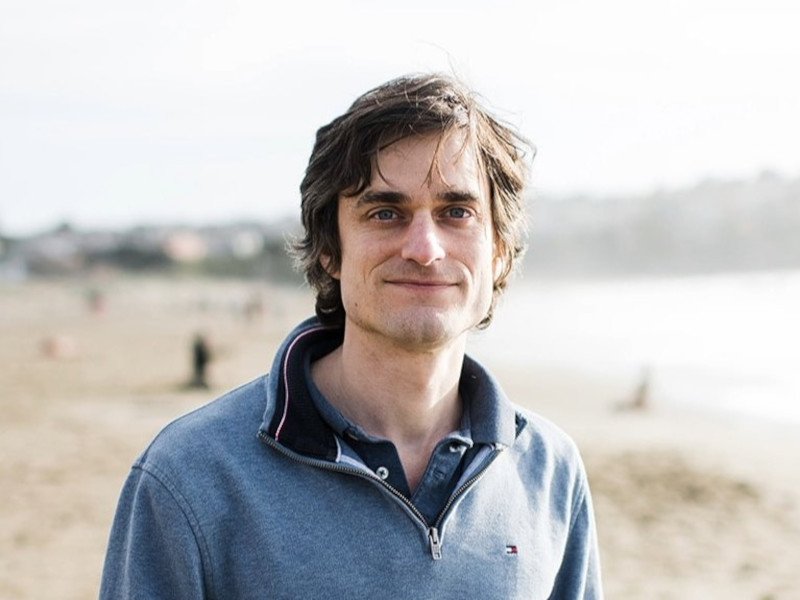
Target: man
x=375, y=460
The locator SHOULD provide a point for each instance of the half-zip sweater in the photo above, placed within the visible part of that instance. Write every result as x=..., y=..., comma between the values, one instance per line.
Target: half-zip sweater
x=255, y=495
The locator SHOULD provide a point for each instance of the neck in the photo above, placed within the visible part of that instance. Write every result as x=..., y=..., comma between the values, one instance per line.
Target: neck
x=407, y=396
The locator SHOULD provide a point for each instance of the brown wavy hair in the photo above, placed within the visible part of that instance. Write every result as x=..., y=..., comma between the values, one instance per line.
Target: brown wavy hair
x=342, y=162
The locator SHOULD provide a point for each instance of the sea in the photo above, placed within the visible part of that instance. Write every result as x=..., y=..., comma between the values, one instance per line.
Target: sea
x=728, y=342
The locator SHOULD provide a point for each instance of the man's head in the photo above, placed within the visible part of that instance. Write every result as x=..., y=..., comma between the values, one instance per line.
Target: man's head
x=344, y=158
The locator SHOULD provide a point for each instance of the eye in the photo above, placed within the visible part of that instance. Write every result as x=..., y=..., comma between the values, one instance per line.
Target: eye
x=458, y=212
x=384, y=214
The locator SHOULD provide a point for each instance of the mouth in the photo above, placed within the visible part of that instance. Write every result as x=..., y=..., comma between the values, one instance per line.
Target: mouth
x=421, y=284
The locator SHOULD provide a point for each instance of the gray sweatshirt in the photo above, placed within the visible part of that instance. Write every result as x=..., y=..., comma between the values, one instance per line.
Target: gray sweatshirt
x=253, y=496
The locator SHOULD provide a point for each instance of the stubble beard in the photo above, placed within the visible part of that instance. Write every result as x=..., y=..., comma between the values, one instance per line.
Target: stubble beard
x=417, y=328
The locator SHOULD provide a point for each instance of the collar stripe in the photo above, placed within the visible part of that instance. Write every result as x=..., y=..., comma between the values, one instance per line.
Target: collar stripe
x=286, y=378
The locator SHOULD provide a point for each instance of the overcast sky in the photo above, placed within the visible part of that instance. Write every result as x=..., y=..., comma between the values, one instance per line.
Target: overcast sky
x=113, y=114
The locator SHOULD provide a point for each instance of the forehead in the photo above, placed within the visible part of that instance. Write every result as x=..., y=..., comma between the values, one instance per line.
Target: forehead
x=433, y=160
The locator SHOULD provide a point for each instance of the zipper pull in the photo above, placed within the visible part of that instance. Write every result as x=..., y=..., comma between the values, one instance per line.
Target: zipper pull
x=436, y=544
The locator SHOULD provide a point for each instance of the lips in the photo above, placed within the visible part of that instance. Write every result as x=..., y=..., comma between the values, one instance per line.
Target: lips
x=423, y=278
x=421, y=282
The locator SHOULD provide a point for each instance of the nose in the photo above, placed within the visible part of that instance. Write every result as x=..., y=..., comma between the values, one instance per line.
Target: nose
x=422, y=243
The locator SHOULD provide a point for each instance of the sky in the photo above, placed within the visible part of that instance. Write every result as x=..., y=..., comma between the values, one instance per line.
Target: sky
x=115, y=114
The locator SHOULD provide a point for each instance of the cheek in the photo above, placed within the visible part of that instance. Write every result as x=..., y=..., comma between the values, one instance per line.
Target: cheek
x=477, y=254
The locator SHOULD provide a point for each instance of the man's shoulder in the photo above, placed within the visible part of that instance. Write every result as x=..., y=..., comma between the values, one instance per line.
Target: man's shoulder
x=540, y=439
x=225, y=426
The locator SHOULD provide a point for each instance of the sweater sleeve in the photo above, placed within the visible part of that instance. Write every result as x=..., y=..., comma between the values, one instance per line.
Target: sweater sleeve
x=154, y=550
x=579, y=575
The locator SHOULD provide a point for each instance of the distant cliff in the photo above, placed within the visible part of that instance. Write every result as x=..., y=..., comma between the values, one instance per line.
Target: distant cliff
x=713, y=226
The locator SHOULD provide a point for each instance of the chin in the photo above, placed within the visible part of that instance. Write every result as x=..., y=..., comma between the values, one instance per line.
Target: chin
x=426, y=328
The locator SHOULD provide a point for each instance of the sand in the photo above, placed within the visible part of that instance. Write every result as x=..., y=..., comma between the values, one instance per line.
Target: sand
x=689, y=504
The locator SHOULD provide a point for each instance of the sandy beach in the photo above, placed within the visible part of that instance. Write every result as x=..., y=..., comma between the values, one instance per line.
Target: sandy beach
x=689, y=504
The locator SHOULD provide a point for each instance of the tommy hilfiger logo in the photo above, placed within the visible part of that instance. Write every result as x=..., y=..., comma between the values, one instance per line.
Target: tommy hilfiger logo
x=512, y=550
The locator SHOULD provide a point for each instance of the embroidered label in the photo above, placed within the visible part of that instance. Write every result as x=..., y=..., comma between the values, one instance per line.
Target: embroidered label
x=512, y=550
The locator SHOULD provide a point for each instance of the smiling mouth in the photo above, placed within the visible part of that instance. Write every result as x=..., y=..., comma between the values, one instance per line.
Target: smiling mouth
x=421, y=284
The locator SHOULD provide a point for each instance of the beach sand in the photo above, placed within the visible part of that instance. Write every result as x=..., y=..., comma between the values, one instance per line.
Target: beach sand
x=688, y=504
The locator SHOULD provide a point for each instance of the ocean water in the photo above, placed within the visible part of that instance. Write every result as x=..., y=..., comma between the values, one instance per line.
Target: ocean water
x=729, y=342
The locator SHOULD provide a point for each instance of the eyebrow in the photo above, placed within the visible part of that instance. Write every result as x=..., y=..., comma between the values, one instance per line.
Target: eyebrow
x=381, y=197
x=462, y=196
x=391, y=197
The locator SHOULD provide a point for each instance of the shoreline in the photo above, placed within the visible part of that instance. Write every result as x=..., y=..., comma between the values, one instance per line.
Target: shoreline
x=723, y=341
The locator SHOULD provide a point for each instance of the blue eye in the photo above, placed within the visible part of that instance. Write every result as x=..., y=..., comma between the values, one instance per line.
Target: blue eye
x=384, y=214
x=457, y=212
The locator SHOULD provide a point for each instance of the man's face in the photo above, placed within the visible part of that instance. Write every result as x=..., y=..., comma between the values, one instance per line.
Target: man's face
x=417, y=244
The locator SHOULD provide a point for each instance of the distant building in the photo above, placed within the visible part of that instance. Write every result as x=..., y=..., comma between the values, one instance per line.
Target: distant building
x=185, y=247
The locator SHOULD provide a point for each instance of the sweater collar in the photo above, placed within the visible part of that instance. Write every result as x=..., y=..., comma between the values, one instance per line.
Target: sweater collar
x=292, y=419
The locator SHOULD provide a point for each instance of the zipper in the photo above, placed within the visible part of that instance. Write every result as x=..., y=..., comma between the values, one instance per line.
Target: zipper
x=364, y=474
x=463, y=488
x=434, y=541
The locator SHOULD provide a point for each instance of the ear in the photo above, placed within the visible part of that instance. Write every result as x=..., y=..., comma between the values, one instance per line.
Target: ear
x=498, y=261
x=325, y=261
x=498, y=264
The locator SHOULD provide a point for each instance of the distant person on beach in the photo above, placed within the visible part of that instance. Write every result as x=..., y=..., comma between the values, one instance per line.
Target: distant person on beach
x=96, y=301
x=201, y=355
x=376, y=459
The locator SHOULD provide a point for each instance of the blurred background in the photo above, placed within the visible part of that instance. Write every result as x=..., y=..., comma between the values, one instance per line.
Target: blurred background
x=150, y=157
